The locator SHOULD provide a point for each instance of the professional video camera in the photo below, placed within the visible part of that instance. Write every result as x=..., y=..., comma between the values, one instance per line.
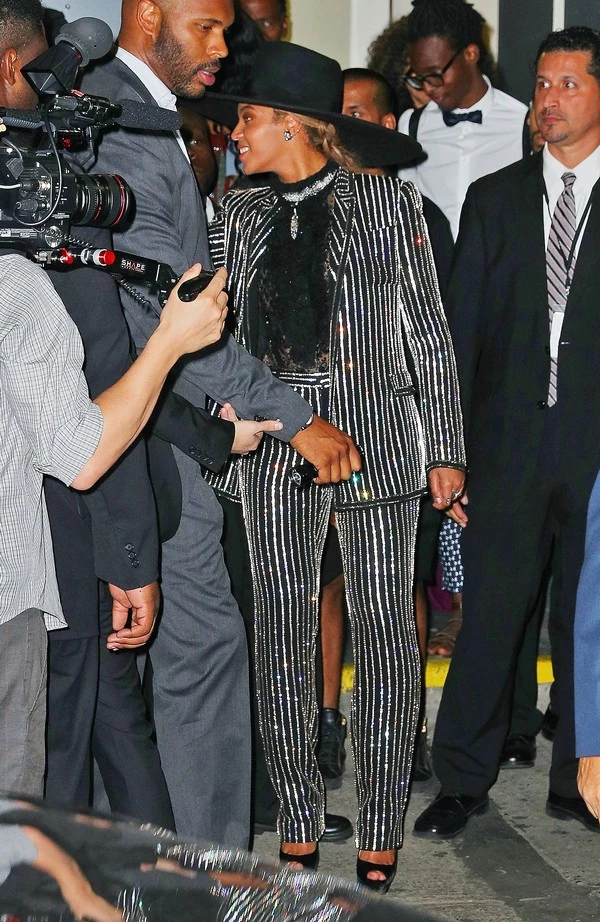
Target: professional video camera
x=41, y=195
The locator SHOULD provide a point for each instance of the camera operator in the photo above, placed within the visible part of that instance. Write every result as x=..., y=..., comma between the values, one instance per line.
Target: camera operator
x=49, y=426
x=94, y=699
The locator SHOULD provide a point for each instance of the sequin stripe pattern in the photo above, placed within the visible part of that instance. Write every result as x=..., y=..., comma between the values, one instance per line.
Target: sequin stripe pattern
x=229, y=249
x=374, y=398
x=377, y=544
x=429, y=337
x=286, y=530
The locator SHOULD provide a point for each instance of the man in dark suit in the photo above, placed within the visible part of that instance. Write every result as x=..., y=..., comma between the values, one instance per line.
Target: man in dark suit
x=526, y=261
x=199, y=657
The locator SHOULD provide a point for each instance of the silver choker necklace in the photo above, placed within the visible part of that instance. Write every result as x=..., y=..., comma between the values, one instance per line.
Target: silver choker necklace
x=294, y=198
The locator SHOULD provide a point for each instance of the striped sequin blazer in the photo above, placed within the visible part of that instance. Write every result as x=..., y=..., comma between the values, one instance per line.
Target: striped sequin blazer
x=403, y=414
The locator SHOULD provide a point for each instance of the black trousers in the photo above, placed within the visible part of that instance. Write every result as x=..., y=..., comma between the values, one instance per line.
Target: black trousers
x=95, y=706
x=506, y=553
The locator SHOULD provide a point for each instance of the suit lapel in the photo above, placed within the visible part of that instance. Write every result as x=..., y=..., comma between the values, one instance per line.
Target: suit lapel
x=340, y=239
x=586, y=267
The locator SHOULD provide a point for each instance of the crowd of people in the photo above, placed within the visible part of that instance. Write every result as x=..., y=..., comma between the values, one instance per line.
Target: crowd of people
x=379, y=394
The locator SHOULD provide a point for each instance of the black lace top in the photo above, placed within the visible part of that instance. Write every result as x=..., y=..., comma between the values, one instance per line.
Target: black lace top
x=294, y=286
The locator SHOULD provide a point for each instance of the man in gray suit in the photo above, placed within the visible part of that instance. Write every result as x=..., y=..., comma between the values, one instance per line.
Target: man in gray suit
x=199, y=656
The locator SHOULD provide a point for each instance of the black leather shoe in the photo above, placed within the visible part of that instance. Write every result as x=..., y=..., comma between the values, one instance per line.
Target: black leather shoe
x=518, y=752
x=422, y=767
x=571, y=808
x=331, y=754
x=337, y=828
x=449, y=814
x=549, y=723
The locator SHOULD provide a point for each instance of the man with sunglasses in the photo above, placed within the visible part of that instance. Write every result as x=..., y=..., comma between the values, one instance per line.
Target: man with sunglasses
x=469, y=128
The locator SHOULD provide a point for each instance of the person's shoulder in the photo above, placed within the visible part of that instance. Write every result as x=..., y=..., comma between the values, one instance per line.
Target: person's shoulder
x=110, y=75
x=504, y=181
x=509, y=104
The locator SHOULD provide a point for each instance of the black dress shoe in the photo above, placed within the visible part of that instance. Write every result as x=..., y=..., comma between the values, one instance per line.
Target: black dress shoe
x=449, y=814
x=549, y=723
x=571, y=808
x=337, y=828
x=309, y=862
x=379, y=886
x=518, y=752
x=331, y=752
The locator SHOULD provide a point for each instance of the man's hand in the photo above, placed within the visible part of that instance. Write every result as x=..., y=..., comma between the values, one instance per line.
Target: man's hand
x=248, y=433
x=199, y=323
x=447, y=487
x=332, y=451
x=588, y=782
x=141, y=605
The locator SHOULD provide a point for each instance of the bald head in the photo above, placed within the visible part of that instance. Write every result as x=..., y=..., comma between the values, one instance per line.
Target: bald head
x=182, y=41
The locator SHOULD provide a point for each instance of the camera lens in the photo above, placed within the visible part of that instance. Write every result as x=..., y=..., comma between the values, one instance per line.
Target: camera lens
x=102, y=200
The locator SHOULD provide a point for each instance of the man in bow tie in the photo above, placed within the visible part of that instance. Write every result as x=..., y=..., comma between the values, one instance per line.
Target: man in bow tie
x=469, y=128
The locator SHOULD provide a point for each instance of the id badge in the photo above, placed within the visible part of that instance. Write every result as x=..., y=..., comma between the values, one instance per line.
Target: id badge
x=555, y=331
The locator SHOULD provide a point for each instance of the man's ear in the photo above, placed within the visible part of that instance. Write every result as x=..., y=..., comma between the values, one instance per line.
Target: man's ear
x=389, y=121
x=10, y=68
x=149, y=18
x=471, y=54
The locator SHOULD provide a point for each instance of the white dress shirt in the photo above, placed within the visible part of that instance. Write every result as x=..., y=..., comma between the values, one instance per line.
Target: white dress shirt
x=159, y=91
x=458, y=155
x=587, y=173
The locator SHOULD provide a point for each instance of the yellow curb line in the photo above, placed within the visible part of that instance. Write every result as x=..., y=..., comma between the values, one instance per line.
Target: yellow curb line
x=437, y=670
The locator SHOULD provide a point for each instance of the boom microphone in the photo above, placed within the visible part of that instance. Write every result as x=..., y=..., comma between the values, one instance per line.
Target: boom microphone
x=140, y=115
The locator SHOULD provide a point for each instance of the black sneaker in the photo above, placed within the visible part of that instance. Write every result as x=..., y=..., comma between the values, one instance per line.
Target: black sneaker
x=422, y=767
x=331, y=754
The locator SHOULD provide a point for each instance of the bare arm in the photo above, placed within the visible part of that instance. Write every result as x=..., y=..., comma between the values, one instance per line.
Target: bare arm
x=75, y=888
x=127, y=405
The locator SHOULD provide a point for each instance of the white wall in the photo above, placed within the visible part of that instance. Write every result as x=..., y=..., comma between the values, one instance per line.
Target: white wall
x=344, y=29
x=108, y=10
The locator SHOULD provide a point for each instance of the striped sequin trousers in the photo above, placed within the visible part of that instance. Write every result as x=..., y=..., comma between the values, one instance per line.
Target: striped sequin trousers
x=286, y=529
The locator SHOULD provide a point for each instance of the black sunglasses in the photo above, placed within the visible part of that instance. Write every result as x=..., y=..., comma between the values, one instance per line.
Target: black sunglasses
x=434, y=79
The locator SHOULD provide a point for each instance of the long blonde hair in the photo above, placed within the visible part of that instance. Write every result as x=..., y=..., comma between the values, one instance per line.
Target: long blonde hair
x=323, y=137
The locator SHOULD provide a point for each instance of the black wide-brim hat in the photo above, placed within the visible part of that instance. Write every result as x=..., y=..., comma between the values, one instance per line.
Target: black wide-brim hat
x=295, y=79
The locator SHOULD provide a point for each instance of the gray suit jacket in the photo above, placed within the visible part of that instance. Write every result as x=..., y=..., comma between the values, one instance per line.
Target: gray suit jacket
x=169, y=226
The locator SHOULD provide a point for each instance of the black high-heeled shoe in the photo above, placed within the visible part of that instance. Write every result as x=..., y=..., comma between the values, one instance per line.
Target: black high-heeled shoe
x=379, y=886
x=309, y=862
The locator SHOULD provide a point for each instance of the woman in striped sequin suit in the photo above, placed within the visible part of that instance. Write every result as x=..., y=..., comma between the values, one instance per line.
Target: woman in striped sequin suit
x=367, y=259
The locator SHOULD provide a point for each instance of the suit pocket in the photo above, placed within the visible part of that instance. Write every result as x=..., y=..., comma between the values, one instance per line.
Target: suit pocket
x=400, y=387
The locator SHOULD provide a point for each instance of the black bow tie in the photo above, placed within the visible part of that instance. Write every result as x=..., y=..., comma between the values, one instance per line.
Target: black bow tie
x=453, y=118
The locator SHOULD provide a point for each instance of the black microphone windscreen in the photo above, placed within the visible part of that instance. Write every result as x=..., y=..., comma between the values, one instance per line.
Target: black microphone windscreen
x=141, y=115
x=91, y=37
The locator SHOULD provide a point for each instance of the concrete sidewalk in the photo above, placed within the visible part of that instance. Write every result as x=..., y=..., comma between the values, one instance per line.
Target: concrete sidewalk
x=514, y=864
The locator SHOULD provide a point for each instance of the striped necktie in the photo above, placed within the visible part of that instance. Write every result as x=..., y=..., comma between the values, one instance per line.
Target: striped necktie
x=558, y=258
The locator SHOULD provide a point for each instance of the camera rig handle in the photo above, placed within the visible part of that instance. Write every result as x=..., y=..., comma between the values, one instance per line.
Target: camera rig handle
x=159, y=278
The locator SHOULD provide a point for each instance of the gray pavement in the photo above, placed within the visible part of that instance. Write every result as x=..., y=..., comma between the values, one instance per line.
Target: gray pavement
x=514, y=864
